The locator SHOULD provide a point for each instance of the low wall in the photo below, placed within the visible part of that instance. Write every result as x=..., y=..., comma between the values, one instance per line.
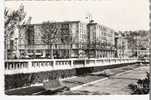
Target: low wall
x=43, y=65
x=26, y=79
x=82, y=71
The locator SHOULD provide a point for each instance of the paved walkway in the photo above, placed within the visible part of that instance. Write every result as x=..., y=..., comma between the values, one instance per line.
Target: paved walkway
x=117, y=84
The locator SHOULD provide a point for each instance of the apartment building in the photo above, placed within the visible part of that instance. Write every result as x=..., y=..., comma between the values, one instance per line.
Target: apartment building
x=121, y=46
x=101, y=40
x=69, y=41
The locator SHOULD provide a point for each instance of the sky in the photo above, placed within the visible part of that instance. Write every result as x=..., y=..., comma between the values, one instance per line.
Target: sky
x=123, y=15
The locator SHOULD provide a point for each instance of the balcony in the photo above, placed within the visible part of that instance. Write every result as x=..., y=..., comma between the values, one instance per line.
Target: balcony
x=33, y=46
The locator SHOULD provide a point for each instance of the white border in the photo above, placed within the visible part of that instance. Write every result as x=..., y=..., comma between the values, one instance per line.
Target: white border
x=109, y=97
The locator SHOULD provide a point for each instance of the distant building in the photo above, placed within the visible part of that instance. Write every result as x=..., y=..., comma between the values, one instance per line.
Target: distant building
x=137, y=43
x=121, y=45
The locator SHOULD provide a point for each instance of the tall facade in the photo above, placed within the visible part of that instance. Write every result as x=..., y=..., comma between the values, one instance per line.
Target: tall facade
x=66, y=44
x=101, y=40
x=122, y=50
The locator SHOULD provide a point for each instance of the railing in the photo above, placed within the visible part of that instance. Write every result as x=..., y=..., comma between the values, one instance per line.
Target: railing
x=53, y=46
x=39, y=65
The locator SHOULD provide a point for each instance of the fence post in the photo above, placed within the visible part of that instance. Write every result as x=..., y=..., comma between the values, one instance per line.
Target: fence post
x=54, y=63
x=71, y=63
x=94, y=61
x=29, y=66
x=85, y=62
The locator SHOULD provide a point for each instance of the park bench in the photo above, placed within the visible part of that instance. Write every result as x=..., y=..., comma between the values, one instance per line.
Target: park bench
x=54, y=86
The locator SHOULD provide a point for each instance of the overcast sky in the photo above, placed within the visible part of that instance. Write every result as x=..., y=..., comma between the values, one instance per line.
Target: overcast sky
x=117, y=14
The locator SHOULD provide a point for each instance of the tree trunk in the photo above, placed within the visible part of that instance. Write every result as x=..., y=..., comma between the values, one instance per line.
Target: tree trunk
x=51, y=53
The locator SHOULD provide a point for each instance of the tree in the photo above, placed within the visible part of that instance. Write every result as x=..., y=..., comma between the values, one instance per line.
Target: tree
x=49, y=32
x=137, y=40
x=55, y=34
x=12, y=20
x=49, y=35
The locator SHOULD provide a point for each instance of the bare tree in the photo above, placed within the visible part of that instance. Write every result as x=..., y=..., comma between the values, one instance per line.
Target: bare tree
x=55, y=34
x=49, y=35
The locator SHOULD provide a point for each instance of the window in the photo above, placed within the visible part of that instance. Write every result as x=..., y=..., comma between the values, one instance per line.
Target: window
x=11, y=44
x=30, y=51
x=38, y=51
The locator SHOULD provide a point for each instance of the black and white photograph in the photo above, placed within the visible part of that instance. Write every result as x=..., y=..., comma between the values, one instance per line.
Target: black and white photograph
x=81, y=47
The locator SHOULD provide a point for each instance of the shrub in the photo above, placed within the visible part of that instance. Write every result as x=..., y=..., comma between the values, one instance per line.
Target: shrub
x=142, y=86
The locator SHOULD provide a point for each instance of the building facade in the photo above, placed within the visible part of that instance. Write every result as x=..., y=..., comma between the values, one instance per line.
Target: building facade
x=122, y=49
x=101, y=41
x=69, y=41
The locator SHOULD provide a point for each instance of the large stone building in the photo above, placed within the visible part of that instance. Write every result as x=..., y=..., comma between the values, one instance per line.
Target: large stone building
x=66, y=43
x=101, y=40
